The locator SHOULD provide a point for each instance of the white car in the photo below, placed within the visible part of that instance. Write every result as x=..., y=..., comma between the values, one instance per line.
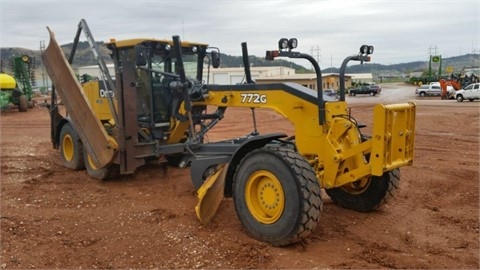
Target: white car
x=471, y=92
x=428, y=90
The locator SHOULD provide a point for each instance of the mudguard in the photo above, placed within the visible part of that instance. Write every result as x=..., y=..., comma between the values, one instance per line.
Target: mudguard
x=211, y=191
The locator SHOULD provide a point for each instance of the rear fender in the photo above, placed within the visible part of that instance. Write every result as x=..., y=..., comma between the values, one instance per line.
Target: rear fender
x=248, y=146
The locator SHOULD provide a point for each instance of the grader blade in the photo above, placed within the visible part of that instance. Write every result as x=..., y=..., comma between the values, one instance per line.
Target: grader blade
x=210, y=195
x=94, y=137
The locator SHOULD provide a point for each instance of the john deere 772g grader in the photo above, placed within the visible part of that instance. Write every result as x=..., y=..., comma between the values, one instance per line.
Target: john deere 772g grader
x=155, y=106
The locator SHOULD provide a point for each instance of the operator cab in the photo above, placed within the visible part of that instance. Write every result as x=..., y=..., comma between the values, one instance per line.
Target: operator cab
x=157, y=73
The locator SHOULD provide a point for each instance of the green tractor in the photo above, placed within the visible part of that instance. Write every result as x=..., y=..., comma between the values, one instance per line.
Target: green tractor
x=17, y=90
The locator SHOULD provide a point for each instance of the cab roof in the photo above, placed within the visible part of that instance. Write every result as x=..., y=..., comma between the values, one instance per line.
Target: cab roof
x=135, y=41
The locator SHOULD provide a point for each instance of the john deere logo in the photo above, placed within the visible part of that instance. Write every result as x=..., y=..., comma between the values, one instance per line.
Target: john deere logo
x=436, y=58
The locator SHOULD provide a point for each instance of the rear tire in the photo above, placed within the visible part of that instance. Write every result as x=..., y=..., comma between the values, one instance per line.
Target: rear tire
x=108, y=172
x=71, y=148
x=367, y=194
x=277, y=195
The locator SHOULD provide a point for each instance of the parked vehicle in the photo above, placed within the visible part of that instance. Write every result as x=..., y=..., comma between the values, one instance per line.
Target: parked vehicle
x=372, y=91
x=329, y=92
x=471, y=92
x=429, y=90
x=375, y=87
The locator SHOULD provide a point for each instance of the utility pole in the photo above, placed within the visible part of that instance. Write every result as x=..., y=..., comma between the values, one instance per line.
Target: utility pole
x=431, y=55
x=315, y=52
x=44, y=75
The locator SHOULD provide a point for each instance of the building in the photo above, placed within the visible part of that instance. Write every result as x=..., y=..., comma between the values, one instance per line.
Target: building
x=261, y=75
x=329, y=80
x=361, y=77
x=237, y=75
x=94, y=70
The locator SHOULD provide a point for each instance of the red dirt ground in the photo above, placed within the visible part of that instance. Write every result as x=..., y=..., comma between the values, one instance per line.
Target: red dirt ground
x=55, y=218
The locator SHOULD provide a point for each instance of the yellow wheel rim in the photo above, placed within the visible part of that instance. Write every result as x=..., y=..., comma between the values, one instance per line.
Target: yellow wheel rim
x=357, y=187
x=264, y=197
x=91, y=163
x=68, y=147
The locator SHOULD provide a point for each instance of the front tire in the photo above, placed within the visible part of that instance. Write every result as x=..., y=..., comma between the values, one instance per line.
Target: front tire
x=71, y=148
x=108, y=172
x=276, y=195
x=366, y=194
x=460, y=98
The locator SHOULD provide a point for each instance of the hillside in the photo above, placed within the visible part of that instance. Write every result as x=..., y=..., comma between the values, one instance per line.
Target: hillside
x=84, y=57
x=457, y=62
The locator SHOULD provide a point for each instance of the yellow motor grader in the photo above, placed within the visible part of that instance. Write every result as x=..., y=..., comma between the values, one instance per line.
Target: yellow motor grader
x=155, y=106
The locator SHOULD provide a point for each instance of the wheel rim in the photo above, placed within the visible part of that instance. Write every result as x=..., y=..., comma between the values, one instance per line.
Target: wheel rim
x=358, y=186
x=68, y=148
x=265, y=197
x=90, y=163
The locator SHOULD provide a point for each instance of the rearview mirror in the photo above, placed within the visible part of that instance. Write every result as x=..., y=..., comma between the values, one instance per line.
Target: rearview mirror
x=140, y=55
x=215, y=59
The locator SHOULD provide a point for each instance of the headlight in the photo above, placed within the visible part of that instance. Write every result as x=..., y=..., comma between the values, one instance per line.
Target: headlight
x=283, y=44
x=370, y=49
x=292, y=43
x=363, y=49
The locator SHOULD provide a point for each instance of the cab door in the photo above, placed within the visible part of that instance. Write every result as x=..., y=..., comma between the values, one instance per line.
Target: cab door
x=469, y=91
x=476, y=91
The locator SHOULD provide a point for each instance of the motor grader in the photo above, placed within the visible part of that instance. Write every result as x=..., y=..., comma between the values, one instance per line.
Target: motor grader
x=155, y=106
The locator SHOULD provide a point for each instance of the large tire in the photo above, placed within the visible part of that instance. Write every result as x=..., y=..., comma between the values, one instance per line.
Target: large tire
x=71, y=149
x=108, y=172
x=22, y=103
x=277, y=195
x=367, y=194
x=174, y=159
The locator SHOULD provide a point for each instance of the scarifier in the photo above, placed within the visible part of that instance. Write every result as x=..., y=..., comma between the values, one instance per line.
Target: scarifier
x=155, y=106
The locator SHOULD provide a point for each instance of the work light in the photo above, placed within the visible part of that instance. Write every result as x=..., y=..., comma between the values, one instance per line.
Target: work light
x=283, y=44
x=292, y=43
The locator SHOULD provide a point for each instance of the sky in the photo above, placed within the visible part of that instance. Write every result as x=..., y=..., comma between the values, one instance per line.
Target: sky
x=329, y=30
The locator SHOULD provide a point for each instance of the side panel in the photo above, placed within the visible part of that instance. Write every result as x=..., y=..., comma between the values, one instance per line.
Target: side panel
x=89, y=129
x=98, y=100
